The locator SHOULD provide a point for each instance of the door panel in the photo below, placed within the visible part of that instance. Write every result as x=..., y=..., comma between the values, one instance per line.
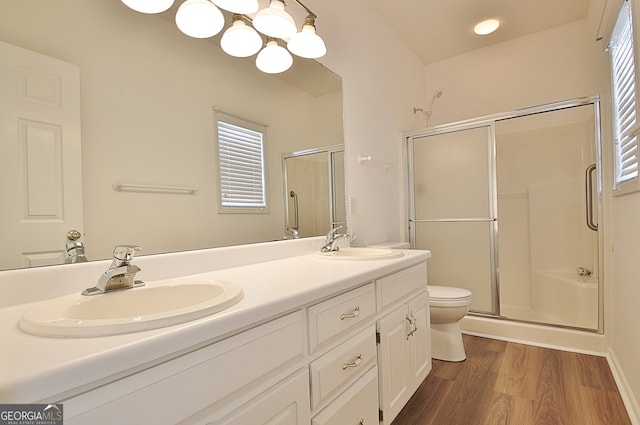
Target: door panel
x=461, y=257
x=452, y=175
x=453, y=210
x=40, y=124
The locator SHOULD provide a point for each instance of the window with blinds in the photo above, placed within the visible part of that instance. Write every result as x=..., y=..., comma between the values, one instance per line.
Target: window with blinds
x=241, y=166
x=621, y=49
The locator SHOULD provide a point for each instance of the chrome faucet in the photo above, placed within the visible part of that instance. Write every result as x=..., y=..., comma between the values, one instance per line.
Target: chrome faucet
x=75, y=253
x=332, y=238
x=291, y=233
x=120, y=274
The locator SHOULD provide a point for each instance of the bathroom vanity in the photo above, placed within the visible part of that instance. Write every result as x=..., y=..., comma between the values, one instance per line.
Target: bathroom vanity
x=313, y=341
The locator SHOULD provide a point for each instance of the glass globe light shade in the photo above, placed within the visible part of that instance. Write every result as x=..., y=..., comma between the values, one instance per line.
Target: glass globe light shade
x=244, y=7
x=273, y=59
x=148, y=6
x=274, y=21
x=307, y=44
x=199, y=18
x=240, y=40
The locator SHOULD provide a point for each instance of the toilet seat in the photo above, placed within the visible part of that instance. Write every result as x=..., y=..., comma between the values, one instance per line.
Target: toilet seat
x=447, y=296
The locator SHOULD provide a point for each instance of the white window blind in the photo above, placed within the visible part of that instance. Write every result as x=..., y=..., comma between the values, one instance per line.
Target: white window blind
x=241, y=164
x=624, y=98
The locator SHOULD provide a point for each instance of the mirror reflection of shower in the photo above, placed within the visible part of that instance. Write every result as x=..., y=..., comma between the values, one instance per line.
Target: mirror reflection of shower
x=313, y=191
x=429, y=112
x=292, y=231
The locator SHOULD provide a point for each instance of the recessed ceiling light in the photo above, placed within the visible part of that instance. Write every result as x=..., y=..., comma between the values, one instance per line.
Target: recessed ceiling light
x=486, y=27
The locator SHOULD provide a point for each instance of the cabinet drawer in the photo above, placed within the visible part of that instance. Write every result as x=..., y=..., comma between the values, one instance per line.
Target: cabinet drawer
x=357, y=405
x=168, y=393
x=395, y=287
x=341, y=366
x=337, y=315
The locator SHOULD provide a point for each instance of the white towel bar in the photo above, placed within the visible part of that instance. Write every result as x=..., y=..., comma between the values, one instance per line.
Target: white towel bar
x=129, y=187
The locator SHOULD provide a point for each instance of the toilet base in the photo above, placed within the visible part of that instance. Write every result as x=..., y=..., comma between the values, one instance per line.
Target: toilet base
x=446, y=342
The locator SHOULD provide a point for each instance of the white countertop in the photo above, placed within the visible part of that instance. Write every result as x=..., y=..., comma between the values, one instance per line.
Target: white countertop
x=39, y=369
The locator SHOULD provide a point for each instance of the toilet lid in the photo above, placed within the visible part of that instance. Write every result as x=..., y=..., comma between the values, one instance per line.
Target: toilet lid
x=448, y=293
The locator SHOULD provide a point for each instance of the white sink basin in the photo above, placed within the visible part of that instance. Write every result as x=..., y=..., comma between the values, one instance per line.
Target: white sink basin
x=354, y=253
x=155, y=305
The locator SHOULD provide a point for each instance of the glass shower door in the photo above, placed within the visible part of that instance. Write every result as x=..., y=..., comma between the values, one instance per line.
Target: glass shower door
x=546, y=187
x=452, y=213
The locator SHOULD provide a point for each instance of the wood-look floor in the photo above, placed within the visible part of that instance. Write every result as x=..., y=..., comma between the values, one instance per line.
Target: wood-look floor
x=503, y=383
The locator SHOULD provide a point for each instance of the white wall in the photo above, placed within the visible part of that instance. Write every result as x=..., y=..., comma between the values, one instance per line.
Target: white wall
x=624, y=293
x=557, y=64
x=382, y=82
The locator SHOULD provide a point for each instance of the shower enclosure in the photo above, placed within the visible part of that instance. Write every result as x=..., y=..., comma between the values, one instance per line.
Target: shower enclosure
x=509, y=204
x=314, y=191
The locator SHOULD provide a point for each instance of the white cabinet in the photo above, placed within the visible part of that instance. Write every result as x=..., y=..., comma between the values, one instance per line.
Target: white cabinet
x=342, y=337
x=404, y=355
x=341, y=366
x=285, y=404
x=396, y=310
x=338, y=361
x=212, y=380
x=336, y=316
x=358, y=405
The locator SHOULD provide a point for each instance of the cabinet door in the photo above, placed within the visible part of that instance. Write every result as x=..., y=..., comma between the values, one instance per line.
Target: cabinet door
x=393, y=357
x=420, y=342
x=285, y=404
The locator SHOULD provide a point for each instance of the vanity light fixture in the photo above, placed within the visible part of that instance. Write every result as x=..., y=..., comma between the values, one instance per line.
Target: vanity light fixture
x=486, y=27
x=274, y=21
x=273, y=59
x=307, y=43
x=199, y=18
x=149, y=6
x=240, y=40
x=203, y=19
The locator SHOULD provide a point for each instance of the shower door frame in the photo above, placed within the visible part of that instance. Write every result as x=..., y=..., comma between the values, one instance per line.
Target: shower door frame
x=489, y=122
x=330, y=151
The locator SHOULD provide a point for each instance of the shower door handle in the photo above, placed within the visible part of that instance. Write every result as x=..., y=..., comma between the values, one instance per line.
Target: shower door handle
x=296, y=223
x=588, y=175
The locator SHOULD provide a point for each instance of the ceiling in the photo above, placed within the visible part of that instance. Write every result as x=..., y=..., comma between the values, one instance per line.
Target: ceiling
x=437, y=29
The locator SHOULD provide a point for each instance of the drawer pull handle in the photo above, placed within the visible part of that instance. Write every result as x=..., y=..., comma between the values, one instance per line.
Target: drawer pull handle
x=361, y=421
x=354, y=363
x=354, y=313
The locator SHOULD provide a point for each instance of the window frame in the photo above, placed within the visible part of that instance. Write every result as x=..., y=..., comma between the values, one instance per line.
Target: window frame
x=249, y=125
x=632, y=131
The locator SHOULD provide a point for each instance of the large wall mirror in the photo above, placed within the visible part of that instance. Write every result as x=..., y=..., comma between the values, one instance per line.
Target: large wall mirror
x=144, y=112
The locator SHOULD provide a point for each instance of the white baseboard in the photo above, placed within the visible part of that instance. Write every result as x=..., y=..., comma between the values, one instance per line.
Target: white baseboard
x=629, y=400
x=539, y=335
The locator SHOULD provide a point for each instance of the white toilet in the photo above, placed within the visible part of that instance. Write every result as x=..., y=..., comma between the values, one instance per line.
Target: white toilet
x=448, y=306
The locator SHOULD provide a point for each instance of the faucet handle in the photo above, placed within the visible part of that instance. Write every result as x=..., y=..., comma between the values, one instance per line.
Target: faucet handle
x=125, y=253
x=331, y=234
